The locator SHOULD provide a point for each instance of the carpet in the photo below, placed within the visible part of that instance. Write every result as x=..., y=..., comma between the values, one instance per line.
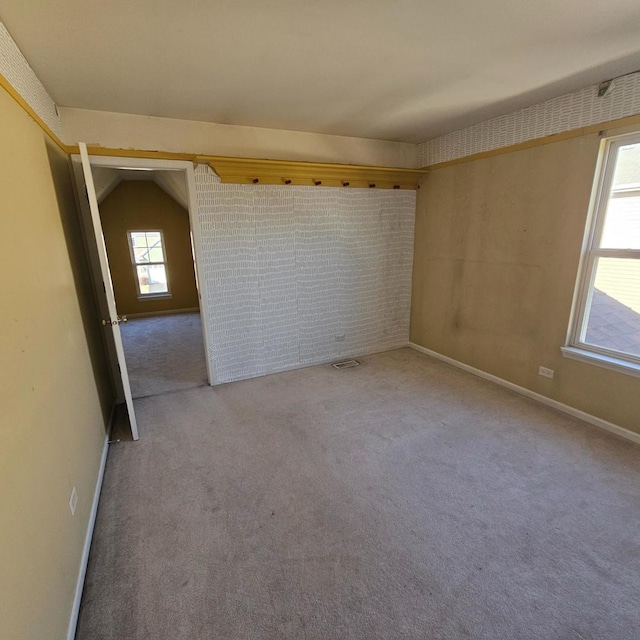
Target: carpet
x=403, y=499
x=164, y=353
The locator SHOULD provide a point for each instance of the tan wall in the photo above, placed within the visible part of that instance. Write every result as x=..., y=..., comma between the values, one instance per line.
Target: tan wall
x=128, y=131
x=497, y=246
x=136, y=206
x=52, y=418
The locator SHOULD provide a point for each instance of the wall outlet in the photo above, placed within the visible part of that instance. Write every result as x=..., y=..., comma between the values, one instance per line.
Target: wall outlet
x=547, y=373
x=73, y=501
x=340, y=338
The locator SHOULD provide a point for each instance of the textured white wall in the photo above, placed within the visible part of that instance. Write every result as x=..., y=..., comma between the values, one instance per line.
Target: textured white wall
x=570, y=111
x=15, y=68
x=290, y=269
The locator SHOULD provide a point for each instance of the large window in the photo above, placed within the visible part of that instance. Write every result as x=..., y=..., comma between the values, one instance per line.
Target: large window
x=149, y=263
x=606, y=326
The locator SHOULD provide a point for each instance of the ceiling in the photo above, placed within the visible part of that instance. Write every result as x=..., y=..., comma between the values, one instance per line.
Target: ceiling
x=106, y=179
x=406, y=70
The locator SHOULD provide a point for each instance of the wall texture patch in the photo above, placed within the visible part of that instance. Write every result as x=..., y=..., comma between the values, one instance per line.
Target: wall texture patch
x=15, y=68
x=571, y=111
x=302, y=275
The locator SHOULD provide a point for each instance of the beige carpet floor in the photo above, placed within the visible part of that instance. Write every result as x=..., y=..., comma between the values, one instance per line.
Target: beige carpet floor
x=164, y=353
x=403, y=499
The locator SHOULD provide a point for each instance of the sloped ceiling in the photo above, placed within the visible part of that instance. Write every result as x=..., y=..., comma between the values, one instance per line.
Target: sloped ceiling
x=404, y=70
x=171, y=182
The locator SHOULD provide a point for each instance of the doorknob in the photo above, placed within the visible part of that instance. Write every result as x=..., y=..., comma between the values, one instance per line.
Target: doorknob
x=118, y=320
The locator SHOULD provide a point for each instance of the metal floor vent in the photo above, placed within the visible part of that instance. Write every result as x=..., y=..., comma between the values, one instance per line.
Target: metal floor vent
x=345, y=364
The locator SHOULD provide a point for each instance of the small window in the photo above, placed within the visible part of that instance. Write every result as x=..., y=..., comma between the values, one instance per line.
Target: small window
x=149, y=263
x=607, y=305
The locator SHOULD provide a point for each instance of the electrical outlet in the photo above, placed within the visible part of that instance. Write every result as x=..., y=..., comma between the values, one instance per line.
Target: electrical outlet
x=73, y=501
x=547, y=373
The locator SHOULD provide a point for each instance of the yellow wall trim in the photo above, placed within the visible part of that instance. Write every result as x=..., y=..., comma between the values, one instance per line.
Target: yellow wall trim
x=537, y=142
x=8, y=87
x=256, y=171
x=247, y=170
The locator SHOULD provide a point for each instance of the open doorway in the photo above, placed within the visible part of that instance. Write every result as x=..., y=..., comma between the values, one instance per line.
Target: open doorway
x=145, y=223
x=139, y=221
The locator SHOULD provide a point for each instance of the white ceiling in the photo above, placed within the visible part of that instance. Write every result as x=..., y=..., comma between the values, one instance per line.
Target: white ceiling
x=404, y=70
x=173, y=183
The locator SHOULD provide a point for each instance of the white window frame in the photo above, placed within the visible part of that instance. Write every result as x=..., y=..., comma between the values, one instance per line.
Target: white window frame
x=576, y=347
x=149, y=296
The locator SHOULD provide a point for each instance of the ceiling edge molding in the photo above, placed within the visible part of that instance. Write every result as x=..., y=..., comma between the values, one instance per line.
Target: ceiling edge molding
x=571, y=112
x=9, y=88
x=235, y=169
x=295, y=173
x=538, y=142
x=17, y=74
x=332, y=180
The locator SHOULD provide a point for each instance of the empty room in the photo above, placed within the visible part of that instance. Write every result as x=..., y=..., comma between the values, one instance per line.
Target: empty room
x=145, y=222
x=320, y=321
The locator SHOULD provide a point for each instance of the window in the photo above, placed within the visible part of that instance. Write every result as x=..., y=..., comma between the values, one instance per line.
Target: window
x=149, y=263
x=606, y=329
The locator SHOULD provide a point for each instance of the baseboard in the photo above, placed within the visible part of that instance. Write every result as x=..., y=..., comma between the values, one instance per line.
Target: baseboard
x=627, y=434
x=168, y=312
x=112, y=417
x=316, y=363
x=75, y=609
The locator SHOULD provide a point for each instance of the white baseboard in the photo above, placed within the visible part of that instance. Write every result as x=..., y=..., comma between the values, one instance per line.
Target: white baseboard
x=316, y=363
x=75, y=609
x=565, y=408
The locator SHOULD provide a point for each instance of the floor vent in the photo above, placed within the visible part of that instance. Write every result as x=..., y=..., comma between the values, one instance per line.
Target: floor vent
x=346, y=364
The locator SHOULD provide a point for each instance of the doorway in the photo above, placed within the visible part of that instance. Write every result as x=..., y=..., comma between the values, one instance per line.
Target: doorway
x=142, y=232
x=164, y=353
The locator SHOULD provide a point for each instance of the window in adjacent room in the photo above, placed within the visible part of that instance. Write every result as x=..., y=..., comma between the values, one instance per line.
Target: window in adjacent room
x=606, y=328
x=149, y=263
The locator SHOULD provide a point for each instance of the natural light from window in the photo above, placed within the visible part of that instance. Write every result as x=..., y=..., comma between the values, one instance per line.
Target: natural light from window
x=608, y=312
x=148, y=258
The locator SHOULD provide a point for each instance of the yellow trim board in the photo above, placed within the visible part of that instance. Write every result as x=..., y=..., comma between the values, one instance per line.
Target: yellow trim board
x=8, y=87
x=308, y=173
x=282, y=172
x=235, y=169
x=246, y=170
x=537, y=142
x=95, y=150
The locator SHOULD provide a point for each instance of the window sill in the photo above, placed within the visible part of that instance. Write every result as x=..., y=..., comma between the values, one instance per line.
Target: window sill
x=155, y=296
x=600, y=360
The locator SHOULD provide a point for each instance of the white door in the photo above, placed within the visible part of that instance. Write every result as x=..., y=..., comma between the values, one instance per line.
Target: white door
x=112, y=323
